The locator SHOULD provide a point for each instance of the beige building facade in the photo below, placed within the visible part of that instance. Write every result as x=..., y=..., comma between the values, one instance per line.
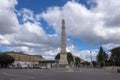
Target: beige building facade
x=25, y=60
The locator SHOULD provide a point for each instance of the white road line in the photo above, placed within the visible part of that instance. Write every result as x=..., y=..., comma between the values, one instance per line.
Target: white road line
x=18, y=78
x=17, y=75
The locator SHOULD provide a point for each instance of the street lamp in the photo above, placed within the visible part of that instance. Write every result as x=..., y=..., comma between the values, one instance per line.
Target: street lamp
x=91, y=59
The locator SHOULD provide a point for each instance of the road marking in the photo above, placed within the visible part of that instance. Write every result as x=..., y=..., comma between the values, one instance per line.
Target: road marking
x=17, y=75
x=18, y=78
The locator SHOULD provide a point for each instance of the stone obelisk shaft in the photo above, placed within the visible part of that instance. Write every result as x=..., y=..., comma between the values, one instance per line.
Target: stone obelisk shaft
x=63, y=38
x=63, y=54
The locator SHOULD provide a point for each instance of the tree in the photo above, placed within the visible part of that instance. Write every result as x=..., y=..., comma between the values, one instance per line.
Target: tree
x=57, y=57
x=77, y=61
x=115, y=56
x=5, y=60
x=102, y=57
x=69, y=57
x=86, y=63
x=94, y=63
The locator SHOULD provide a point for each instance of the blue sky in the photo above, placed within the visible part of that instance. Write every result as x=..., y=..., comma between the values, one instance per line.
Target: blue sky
x=34, y=26
x=39, y=6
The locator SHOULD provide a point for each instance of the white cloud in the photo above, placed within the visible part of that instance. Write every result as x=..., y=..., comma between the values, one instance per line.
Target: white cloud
x=26, y=14
x=111, y=46
x=3, y=40
x=98, y=25
x=28, y=37
x=90, y=25
x=32, y=36
x=8, y=19
x=84, y=54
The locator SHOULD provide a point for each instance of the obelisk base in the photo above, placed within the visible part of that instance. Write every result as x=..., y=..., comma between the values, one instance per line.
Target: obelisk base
x=63, y=62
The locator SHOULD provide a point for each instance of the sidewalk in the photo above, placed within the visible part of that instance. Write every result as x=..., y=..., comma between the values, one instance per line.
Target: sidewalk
x=111, y=68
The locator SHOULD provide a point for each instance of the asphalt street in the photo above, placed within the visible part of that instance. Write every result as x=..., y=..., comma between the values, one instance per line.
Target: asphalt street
x=38, y=74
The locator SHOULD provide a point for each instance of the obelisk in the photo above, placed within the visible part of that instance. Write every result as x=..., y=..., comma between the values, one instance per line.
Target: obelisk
x=63, y=54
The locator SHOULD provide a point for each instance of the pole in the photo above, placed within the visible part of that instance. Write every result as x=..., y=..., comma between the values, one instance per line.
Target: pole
x=91, y=59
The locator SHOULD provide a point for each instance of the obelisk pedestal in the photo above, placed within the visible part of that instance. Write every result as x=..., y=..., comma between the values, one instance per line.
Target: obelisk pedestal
x=63, y=59
x=63, y=54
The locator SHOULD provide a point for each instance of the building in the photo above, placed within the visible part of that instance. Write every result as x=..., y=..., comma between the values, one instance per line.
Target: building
x=25, y=60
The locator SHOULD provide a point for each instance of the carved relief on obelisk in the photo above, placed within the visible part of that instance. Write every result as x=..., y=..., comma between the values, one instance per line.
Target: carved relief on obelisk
x=63, y=53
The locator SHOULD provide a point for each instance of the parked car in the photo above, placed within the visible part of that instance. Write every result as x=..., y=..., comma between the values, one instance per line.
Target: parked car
x=39, y=67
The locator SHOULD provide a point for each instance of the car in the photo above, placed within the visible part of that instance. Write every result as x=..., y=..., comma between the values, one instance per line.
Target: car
x=39, y=67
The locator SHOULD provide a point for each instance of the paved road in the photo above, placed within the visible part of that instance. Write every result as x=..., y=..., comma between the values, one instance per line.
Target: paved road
x=38, y=74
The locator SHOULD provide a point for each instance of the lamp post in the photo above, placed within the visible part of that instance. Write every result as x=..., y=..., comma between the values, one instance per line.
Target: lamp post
x=91, y=59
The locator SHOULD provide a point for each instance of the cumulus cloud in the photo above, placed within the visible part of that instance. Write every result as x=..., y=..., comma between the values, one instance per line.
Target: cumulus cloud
x=8, y=19
x=83, y=54
x=28, y=36
x=32, y=39
x=26, y=15
x=110, y=11
x=96, y=25
x=111, y=46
